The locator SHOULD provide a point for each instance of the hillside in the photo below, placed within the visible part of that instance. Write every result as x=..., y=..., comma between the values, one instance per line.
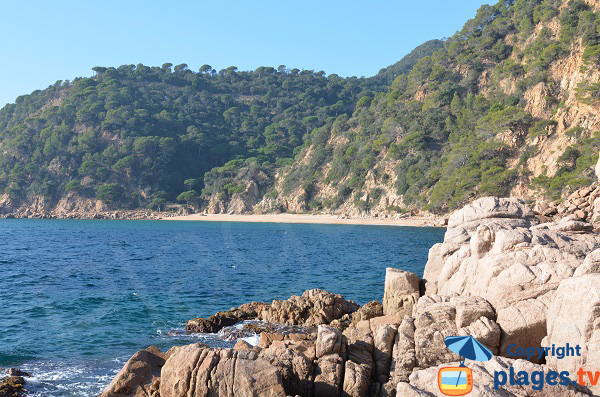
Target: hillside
x=508, y=106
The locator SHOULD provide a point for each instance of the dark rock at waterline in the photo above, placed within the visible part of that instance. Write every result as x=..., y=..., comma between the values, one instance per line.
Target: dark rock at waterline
x=314, y=307
x=12, y=386
x=227, y=318
x=17, y=372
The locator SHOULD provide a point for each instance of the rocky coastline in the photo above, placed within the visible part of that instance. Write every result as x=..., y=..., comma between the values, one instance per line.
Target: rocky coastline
x=505, y=274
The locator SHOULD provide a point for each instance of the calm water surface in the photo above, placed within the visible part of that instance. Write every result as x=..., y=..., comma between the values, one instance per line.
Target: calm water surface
x=78, y=297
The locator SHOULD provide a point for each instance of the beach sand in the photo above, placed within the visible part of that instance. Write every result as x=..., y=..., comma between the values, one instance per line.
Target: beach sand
x=310, y=218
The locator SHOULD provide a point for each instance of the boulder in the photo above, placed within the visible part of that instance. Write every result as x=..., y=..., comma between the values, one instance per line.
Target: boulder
x=591, y=264
x=401, y=292
x=140, y=376
x=17, y=372
x=437, y=317
x=198, y=370
x=313, y=308
x=574, y=319
x=12, y=386
x=226, y=318
x=496, y=249
x=404, y=357
x=357, y=380
x=329, y=341
x=383, y=342
x=358, y=370
x=367, y=312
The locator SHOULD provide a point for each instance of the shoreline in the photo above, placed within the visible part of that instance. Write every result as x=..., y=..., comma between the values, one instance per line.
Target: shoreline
x=416, y=221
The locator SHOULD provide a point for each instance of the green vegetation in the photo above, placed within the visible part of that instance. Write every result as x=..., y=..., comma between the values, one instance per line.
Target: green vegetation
x=156, y=130
x=447, y=119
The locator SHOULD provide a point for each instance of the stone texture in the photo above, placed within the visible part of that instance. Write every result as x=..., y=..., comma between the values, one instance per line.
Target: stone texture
x=198, y=370
x=496, y=249
x=437, y=317
x=574, y=318
x=367, y=312
x=140, y=376
x=401, y=292
x=404, y=357
x=226, y=318
x=313, y=308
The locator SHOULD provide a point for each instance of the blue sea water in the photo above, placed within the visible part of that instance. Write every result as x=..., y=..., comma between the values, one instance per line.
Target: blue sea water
x=78, y=297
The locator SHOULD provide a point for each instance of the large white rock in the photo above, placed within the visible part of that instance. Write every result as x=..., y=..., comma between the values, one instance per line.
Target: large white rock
x=496, y=249
x=574, y=318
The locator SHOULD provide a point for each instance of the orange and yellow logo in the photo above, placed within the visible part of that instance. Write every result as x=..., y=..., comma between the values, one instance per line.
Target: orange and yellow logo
x=455, y=381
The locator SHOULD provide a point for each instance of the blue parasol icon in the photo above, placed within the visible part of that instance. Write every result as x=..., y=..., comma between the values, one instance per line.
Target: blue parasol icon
x=468, y=347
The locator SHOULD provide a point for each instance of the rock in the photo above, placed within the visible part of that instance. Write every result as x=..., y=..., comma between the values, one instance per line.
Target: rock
x=405, y=389
x=437, y=317
x=357, y=380
x=572, y=226
x=401, y=292
x=138, y=376
x=383, y=340
x=226, y=318
x=242, y=345
x=17, y=372
x=367, y=311
x=515, y=264
x=574, y=318
x=12, y=386
x=404, y=357
x=489, y=208
x=358, y=370
x=198, y=370
x=597, y=169
x=595, y=217
x=328, y=376
x=313, y=308
x=591, y=264
x=329, y=341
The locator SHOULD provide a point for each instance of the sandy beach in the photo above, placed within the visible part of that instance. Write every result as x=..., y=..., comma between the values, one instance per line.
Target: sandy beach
x=311, y=218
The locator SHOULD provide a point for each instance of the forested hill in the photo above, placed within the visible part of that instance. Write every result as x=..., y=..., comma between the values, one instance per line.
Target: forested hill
x=509, y=105
x=134, y=134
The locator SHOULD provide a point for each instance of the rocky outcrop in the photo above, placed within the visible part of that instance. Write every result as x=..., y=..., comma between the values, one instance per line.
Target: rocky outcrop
x=312, y=308
x=574, y=318
x=12, y=386
x=223, y=319
x=140, y=376
x=73, y=206
x=496, y=249
x=500, y=275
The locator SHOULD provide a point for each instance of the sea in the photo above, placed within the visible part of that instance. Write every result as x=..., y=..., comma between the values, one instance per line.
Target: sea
x=79, y=297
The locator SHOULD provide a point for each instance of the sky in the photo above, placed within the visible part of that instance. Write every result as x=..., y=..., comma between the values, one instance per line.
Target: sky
x=46, y=41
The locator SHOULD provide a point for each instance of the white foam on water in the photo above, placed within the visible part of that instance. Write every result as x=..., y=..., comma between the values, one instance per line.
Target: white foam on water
x=57, y=378
x=252, y=340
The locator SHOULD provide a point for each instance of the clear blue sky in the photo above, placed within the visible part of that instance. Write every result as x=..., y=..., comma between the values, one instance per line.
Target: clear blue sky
x=45, y=41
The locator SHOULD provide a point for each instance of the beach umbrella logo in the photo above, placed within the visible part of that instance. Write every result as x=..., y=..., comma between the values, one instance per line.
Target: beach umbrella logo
x=458, y=381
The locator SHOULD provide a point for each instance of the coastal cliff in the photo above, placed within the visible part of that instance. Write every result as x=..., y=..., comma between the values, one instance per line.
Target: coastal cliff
x=501, y=275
